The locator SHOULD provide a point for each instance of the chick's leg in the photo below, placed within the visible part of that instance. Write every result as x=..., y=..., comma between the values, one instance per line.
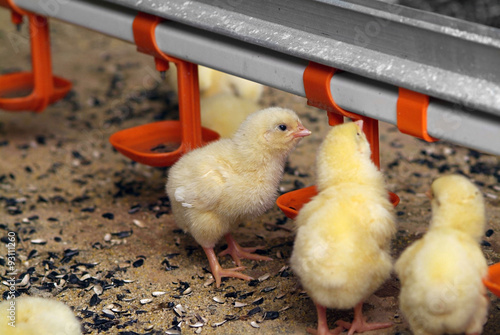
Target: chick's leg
x=237, y=252
x=218, y=272
x=322, y=324
x=359, y=323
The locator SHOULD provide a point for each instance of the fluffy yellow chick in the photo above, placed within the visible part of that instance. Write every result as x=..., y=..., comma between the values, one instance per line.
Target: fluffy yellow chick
x=215, y=187
x=35, y=316
x=214, y=82
x=441, y=287
x=225, y=112
x=341, y=250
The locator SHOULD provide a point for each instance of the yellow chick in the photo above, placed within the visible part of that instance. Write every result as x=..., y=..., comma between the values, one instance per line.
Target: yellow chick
x=341, y=250
x=35, y=316
x=441, y=287
x=213, y=188
x=225, y=112
x=214, y=82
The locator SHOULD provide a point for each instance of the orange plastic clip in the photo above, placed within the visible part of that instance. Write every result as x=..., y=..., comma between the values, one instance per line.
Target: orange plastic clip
x=317, y=79
x=136, y=143
x=412, y=114
x=45, y=88
x=12, y=6
x=492, y=280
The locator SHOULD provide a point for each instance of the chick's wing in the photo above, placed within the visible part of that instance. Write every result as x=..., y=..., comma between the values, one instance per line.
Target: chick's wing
x=203, y=187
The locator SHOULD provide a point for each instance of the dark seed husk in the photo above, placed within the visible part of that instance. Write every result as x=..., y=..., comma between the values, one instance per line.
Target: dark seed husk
x=138, y=263
x=109, y=216
x=94, y=300
x=254, y=311
x=271, y=315
x=123, y=234
x=268, y=289
x=258, y=301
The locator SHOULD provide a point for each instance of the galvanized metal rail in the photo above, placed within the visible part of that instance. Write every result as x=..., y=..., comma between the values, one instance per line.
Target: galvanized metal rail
x=381, y=47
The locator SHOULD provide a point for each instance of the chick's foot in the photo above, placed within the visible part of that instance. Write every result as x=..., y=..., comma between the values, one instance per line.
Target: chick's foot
x=322, y=323
x=237, y=252
x=359, y=323
x=218, y=272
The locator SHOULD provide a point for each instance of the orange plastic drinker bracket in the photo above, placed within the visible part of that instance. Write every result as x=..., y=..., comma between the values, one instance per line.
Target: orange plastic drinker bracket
x=291, y=202
x=137, y=143
x=317, y=79
x=412, y=114
x=492, y=281
x=45, y=88
x=17, y=13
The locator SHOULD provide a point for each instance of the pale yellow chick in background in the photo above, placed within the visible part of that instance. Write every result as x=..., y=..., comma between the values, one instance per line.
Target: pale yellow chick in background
x=225, y=112
x=341, y=250
x=441, y=274
x=213, y=188
x=37, y=316
x=214, y=82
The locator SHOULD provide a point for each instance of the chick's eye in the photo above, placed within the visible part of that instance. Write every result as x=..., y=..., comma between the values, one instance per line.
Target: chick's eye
x=282, y=127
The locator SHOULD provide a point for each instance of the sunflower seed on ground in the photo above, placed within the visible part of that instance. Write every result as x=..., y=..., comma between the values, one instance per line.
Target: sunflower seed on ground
x=217, y=324
x=198, y=330
x=202, y=319
x=281, y=296
x=254, y=324
x=124, y=265
x=254, y=311
x=285, y=308
x=271, y=315
x=246, y=294
x=209, y=282
x=109, y=313
x=218, y=300
x=238, y=304
x=258, y=301
x=187, y=291
x=139, y=223
x=268, y=289
x=283, y=268
x=179, y=310
x=85, y=277
x=128, y=299
x=98, y=289
x=158, y=293
x=40, y=241
x=148, y=327
x=197, y=325
x=173, y=331
x=25, y=281
x=145, y=301
x=264, y=277
x=107, y=237
x=60, y=284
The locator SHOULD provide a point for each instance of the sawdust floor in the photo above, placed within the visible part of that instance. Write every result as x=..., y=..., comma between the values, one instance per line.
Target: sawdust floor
x=103, y=215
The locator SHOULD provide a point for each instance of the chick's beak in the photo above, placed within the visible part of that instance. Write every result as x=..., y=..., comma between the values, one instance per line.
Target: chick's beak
x=301, y=131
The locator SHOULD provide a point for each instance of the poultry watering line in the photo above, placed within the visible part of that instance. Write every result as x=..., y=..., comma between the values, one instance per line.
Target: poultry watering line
x=380, y=47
